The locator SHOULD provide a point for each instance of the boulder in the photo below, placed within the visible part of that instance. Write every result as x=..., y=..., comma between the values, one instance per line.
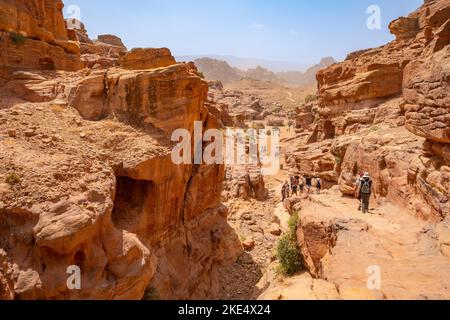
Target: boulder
x=111, y=40
x=293, y=205
x=139, y=59
x=245, y=183
x=275, y=229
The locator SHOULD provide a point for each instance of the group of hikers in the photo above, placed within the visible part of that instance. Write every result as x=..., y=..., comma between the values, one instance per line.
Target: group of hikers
x=299, y=184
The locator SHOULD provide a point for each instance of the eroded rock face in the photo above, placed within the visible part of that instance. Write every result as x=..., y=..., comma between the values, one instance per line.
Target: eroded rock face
x=375, y=94
x=341, y=247
x=105, y=195
x=234, y=108
x=138, y=59
x=111, y=40
x=6, y=283
x=101, y=53
x=314, y=159
x=405, y=28
x=33, y=36
x=370, y=77
x=245, y=183
x=426, y=87
x=430, y=177
x=173, y=98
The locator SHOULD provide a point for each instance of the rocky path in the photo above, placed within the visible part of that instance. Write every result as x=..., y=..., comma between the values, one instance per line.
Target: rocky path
x=289, y=97
x=387, y=254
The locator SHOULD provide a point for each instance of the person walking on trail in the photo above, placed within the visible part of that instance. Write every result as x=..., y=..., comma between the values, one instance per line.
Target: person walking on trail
x=294, y=185
x=285, y=191
x=319, y=184
x=308, y=184
x=365, y=190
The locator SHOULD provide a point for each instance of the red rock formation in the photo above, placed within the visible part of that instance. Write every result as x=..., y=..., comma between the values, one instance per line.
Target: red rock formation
x=217, y=70
x=111, y=200
x=245, y=183
x=341, y=247
x=105, y=194
x=33, y=36
x=426, y=88
x=368, y=77
x=367, y=101
x=118, y=92
x=304, y=117
x=149, y=58
x=76, y=31
x=102, y=53
x=6, y=282
x=385, y=111
x=111, y=40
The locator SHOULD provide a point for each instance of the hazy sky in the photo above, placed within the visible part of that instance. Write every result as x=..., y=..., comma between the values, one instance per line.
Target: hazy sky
x=284, y=30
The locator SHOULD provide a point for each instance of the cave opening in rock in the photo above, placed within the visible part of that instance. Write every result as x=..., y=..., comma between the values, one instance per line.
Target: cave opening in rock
x=46, y=64
x=134, y=201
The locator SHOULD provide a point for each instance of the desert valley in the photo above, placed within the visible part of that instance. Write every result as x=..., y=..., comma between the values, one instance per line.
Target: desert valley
x=87, y=177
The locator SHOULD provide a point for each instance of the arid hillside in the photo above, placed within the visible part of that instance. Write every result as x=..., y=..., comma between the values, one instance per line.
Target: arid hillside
x=218, y=70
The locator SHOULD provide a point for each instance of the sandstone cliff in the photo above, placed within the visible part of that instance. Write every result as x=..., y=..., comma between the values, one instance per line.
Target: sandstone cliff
x=33, y=35
x=105, y=194
x=218, y=70
x=101, y=53
x=386, y=111
x=86, y=175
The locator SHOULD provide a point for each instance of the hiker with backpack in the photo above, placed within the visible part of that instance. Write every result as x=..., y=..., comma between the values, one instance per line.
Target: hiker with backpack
x=365, y=192
x=301, y=185
x=318, y=184
x=357, y=186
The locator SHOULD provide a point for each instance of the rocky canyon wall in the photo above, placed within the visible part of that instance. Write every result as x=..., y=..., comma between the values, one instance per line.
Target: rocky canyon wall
x=33, y=35
x=86, y=175
x=386, y=111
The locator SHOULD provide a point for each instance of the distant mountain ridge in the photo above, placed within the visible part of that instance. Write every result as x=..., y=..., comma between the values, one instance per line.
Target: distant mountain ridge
x=249, y=63
x=308, y=77
x=214, y=69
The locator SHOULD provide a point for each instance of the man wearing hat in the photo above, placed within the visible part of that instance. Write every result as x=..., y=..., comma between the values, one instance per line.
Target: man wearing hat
x=365, y=190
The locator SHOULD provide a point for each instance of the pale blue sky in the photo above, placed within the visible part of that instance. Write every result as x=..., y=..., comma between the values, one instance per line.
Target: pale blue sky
x=301, y=31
